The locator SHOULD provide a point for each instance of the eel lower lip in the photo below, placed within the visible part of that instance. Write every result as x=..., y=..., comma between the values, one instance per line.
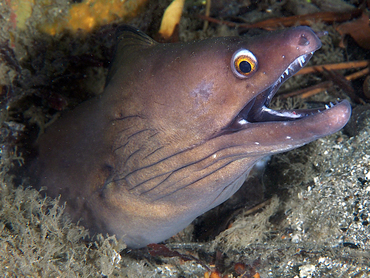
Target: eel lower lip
x=257, y=111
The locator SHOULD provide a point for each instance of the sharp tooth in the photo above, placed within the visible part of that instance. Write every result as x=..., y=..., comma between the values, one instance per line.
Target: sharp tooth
x=286, y=71
x=242, y=122
x=300, y=61
x=327, y=106
x=331, y=104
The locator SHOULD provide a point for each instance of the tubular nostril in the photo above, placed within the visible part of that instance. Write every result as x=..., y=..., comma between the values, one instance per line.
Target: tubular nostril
x=321, y=33
x=303, y=41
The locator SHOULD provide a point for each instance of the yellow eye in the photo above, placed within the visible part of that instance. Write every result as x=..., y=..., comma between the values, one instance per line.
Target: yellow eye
x=244, y=63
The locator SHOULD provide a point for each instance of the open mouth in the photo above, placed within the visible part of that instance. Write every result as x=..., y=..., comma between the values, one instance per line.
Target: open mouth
x=257, y=109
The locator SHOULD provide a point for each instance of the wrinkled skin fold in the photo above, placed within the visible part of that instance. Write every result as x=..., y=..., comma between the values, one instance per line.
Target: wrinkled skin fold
x=176, y=131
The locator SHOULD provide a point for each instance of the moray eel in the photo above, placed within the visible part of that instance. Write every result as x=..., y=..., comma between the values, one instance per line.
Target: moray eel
x=177, y=130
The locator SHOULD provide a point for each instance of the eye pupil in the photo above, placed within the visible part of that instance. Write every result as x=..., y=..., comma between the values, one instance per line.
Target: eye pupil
x=245, y=67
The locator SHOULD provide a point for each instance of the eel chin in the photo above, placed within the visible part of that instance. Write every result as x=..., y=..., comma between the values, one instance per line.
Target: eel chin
x=257, y=111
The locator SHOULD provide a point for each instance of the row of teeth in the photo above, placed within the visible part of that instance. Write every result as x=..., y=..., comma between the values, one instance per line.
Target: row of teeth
x=287, y=113
x=300, y=60
x=330, y=105
x=286, y=72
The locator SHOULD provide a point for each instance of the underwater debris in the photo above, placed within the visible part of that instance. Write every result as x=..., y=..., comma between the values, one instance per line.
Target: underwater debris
x=336, y=66
x=358, y=29
x=170, y=22
x=275, y=23
x=331, y=71
x=90, y=14
x=20, y=12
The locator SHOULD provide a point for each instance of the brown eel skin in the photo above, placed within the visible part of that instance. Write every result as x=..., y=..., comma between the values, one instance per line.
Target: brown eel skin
x=177, y=130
